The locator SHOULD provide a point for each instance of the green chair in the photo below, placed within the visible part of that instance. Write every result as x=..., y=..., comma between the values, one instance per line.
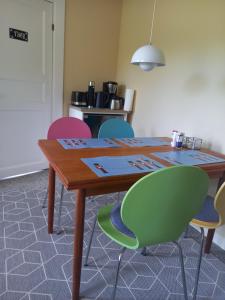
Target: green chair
x=156, y=209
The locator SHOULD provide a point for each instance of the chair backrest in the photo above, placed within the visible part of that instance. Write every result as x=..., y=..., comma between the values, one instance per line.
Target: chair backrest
x=159, y=206
x=219, y=204
x=68, y=127
x=115, y=128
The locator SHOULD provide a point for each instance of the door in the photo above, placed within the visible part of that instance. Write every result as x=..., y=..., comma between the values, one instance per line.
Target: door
x=25, y=83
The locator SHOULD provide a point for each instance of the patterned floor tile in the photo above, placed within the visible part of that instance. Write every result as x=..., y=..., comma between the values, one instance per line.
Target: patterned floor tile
x=38, y=266
x=27, y=282
x=12, y=296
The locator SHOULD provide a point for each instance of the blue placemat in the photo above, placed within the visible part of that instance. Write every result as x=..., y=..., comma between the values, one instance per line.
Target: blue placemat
x=188, y=157
x=121, y=165
x=87, y=143
x=143, y=142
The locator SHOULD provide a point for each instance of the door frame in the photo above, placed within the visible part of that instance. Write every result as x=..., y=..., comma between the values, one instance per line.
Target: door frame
x=58, y=58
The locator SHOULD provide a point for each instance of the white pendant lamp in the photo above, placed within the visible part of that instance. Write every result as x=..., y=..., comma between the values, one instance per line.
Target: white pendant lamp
x=147, y=57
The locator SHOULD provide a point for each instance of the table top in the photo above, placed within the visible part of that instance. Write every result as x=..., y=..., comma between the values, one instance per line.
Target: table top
x=74, y=174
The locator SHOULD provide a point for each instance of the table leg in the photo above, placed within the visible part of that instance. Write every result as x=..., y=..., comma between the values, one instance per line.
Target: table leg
x=51, y=198
x=78, y=242
x=209, y=240
x=211, y=232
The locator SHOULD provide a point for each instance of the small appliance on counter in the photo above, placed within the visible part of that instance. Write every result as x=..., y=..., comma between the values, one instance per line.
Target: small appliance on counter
x=79, y=98
x=107, y=98
x=110, y=87
x=103, y=98
x=112, y=101
x=100, y=100
x=116, y=103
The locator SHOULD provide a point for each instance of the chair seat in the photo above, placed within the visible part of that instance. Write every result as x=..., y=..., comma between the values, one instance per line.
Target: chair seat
x=116, y=220
x=208, y=212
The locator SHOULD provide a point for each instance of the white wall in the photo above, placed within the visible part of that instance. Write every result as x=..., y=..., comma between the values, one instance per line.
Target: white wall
x=189, y=93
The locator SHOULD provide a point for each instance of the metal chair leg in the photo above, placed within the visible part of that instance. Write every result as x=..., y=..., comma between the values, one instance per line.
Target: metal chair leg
x=45, y=199
x=182, y=270
x=117, y=272
x=118, y=196
x=199, y=265
x=89, y=243
x=186, y=232
x=60, y=210
x=144, y=251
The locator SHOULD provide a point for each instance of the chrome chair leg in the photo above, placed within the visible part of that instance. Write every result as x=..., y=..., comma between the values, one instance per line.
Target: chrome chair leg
x=89, y=243
x=118, y=196
x=117, y=272
x=199, y=265
x=186, y=232
x=60, y=210
x=45, y=199
x=182, y=270
x=144, y=251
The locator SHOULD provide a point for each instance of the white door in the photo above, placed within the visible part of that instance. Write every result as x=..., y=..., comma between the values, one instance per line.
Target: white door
x=25, y=83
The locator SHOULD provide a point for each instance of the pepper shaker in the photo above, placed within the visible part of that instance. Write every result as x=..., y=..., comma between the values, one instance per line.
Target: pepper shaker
x=179, y=139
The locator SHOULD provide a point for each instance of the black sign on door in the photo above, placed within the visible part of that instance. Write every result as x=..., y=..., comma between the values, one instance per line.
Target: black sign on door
x=18, y=34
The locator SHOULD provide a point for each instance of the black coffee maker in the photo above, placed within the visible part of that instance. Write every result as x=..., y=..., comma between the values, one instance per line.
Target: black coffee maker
x=110, y=87
x=109, y=90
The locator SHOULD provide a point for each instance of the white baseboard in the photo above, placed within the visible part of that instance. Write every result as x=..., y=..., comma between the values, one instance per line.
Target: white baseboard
x=22, y=169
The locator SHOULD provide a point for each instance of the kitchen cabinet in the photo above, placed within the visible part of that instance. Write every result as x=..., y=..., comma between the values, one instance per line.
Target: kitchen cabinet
x=94, y=117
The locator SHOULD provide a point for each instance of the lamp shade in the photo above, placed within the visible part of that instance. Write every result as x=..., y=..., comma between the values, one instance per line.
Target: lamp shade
x=147, y=57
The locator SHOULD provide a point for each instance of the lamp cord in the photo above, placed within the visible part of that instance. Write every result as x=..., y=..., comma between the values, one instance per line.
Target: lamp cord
x=153, y=17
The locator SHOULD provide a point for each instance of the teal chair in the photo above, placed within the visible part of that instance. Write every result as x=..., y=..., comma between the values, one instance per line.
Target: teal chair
x=115, y=128
x=156, y=209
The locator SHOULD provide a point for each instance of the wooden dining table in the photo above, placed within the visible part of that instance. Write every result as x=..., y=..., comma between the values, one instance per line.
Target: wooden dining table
x=76, y=176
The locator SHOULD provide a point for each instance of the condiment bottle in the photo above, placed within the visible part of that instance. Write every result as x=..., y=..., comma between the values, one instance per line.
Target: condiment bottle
x=179, y=139
x=174, y=138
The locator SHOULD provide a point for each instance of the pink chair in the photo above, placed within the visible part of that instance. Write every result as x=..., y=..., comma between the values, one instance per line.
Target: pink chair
x=66, y=127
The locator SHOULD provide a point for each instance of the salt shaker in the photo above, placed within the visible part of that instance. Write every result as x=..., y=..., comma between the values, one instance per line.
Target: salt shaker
x=174, y=138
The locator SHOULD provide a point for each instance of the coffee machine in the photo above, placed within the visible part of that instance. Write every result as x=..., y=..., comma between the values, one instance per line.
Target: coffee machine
x=104, y=97
x=109, y=89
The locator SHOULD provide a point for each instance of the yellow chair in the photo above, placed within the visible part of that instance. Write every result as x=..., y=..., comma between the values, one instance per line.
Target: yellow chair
x=211, y=216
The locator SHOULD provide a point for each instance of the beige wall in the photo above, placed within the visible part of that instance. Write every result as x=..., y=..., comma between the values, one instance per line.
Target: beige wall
x=91, y=43
x=189, y=93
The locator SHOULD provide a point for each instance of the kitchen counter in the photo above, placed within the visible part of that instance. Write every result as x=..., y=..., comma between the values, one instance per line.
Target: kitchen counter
x=80, y=112
x=94, y=117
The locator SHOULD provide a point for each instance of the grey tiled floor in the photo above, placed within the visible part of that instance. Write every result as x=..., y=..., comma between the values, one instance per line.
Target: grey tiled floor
x=37, y=266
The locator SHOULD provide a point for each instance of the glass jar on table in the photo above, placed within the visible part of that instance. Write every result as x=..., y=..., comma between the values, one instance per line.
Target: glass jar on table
x=193, y=143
